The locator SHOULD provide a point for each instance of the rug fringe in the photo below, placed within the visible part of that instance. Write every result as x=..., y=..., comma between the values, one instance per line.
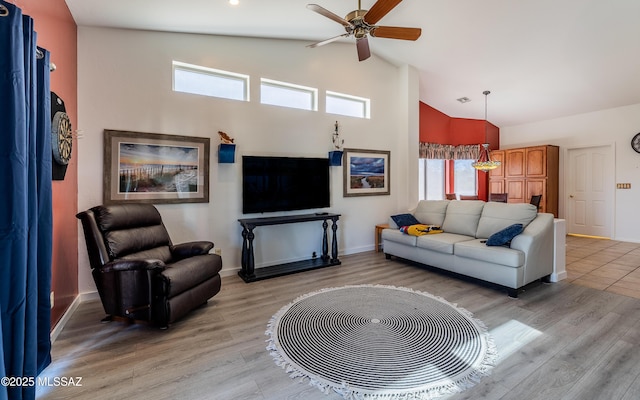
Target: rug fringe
x=457, y=385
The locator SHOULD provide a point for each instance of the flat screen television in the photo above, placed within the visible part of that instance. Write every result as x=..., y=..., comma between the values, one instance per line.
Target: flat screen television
x=284, y=183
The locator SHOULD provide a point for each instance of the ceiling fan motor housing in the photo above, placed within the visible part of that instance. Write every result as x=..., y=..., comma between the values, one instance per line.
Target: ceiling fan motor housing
x=356, y=14
x=360, y=27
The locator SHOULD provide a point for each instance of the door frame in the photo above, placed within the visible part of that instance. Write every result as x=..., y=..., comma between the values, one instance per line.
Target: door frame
x=611, y=148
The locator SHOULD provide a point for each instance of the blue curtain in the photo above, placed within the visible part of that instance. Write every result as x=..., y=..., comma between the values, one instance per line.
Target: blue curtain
x=25, y=202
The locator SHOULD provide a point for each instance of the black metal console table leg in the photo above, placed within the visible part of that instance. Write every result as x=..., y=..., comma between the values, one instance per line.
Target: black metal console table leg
x=334, y=241
x=248, y=260
x=243, y=255
x=325, y=242
x=250, y=257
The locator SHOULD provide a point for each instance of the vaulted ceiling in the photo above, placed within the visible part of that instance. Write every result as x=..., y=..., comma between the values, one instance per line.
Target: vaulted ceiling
x=540, y=59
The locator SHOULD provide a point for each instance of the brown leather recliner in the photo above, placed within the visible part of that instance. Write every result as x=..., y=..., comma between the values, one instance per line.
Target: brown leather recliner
x=139, y=273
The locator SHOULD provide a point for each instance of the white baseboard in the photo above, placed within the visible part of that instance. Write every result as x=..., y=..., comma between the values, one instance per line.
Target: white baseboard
x=81, y=298
x=233, y=271
x=65, y=318
x=557, y=277
x=89, y=296
x=356, y=250
x=229, y=271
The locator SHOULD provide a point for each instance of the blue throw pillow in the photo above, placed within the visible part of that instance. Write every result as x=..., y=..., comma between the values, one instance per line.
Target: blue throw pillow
x=504, y=236
x=404, y=220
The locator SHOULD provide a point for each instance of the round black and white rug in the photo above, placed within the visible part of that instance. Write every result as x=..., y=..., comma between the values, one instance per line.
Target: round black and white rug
x=380, y=342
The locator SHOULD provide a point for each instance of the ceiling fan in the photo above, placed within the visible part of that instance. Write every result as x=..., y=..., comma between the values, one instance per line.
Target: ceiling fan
x=361, y=23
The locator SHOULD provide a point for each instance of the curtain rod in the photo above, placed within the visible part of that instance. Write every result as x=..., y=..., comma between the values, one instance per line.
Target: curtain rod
x=4, y=11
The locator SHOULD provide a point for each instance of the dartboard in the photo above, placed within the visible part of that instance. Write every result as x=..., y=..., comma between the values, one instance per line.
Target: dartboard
x=61, y=142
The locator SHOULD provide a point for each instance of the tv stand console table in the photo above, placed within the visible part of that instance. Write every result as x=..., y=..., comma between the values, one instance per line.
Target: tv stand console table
x=249, y=273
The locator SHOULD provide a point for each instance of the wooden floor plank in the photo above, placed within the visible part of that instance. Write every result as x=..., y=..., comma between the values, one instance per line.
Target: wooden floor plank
x=555, y=340
x=611, y=376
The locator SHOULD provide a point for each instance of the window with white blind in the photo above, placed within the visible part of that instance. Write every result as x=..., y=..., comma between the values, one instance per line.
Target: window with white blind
x=196, y=79
x=351, y=106
x=288, y=95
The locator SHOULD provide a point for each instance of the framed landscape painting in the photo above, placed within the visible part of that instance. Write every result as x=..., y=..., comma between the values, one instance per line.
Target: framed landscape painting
x=366, y=172
x=154, y=168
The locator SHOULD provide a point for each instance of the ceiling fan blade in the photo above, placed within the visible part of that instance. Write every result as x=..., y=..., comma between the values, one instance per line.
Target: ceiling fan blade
x=395, y=32
x=379, y=10
x=323, y=11
x=363, y=48
x=327, y=41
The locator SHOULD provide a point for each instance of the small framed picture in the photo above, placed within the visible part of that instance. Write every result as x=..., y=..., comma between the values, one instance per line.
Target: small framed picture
x=366, y=172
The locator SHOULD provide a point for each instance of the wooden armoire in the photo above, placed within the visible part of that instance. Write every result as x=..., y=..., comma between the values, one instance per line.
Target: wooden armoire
x=526, y=172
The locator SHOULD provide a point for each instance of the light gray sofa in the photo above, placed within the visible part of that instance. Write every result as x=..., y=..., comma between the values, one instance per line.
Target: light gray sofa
x=462, y=248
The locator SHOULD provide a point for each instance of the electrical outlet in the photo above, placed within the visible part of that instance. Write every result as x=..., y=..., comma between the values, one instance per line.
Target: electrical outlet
x=51, y=299
x=218, y=251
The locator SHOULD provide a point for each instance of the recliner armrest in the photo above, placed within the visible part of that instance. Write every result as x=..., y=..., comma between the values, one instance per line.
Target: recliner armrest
x=131, y=265
x=190, y=249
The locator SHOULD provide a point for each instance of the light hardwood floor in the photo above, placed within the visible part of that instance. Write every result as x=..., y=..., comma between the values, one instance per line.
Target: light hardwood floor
x=556, y=341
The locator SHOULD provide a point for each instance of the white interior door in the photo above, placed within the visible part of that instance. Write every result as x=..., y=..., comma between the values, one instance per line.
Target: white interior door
x=590, y=191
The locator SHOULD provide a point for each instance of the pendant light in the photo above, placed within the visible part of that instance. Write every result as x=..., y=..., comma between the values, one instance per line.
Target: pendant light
x=484, y=162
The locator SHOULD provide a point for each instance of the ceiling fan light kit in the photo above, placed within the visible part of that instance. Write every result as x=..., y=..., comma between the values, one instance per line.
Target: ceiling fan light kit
x=361, y=24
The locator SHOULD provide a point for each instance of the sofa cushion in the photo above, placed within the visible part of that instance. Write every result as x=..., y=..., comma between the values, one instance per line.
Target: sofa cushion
x=463, y=216
x=395, y=235
x=442, y=242
x=476, y=249
x=431, y=212
x=404, y=220
x=497, y=216
x=505, y=235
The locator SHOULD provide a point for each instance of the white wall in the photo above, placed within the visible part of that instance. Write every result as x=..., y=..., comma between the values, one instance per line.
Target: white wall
x=614, y=127
x=124, y=83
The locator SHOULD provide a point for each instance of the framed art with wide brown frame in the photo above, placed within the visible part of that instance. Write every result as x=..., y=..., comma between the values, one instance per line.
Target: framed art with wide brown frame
x=155, y=168
x=366, y=172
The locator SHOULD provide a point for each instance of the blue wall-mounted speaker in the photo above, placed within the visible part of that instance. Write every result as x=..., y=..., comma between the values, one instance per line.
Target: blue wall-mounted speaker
x=226, y=153
x=335, y=158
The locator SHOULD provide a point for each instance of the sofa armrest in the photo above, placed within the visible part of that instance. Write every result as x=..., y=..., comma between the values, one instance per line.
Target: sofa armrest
x=190, y=249
x=392, y=224
x=131, y=265
x=536, y=241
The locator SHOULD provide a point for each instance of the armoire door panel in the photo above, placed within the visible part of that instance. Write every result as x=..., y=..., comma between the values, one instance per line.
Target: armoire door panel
x=514, y=163
x=536, y=161
x=497, y=155
x=535, y=187
x=496, y=186
x=516, y=190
